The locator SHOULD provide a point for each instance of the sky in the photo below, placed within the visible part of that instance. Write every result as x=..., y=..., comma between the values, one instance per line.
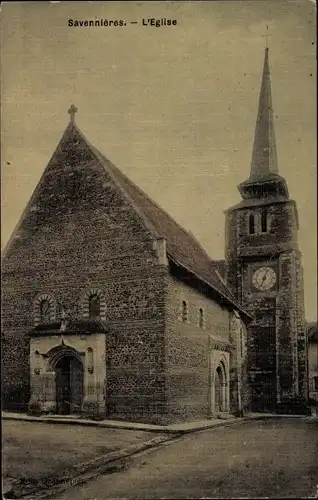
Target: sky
x=173, y=107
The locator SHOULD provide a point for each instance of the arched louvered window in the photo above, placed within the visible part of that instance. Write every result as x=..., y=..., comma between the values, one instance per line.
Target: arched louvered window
x=45, y=311
x=251, y=224
x=94, y=306
x=264, y=221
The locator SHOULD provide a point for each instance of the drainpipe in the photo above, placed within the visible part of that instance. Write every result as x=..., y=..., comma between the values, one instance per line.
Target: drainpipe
x=239, y=385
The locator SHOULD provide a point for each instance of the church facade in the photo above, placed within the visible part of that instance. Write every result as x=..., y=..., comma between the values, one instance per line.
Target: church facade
x=112, y=310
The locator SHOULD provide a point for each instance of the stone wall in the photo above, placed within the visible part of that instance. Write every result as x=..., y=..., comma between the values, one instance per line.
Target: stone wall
x=276, y=342
x=187, y=349
x=282, y=224
x=287, y=327
x=240, y=393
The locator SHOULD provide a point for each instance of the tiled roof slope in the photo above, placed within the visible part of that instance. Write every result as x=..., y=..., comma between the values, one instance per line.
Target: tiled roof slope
x=220, y=266
x=181, y=245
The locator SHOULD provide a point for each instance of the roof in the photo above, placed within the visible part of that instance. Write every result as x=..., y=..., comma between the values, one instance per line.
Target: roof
x=312, y=331
x=182, y=247
x=220, y=267
x=257, y=202
x=220, y=342
x=82, y=326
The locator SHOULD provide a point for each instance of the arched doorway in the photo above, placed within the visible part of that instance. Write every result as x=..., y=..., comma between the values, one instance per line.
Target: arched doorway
x=218, y=388
x=69, y=377
x=221, y=389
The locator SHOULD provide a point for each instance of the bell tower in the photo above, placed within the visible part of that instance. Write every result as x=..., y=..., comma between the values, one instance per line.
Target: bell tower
x=263, y=268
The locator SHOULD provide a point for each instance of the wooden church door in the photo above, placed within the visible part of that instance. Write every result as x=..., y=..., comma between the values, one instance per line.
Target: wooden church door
x=63, y=386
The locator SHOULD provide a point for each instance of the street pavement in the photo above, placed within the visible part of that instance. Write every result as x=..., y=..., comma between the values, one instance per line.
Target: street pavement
x=269, y=458
x=38, y=454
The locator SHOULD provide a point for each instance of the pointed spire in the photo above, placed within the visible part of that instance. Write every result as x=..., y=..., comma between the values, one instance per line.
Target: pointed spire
x=264, y=164
x=264, y=157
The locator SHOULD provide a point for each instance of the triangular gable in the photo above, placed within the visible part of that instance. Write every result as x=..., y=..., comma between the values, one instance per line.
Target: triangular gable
x=182, y=247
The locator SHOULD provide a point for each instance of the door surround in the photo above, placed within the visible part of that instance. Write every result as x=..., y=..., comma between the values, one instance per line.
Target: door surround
x=47, y=351
x=219, y=380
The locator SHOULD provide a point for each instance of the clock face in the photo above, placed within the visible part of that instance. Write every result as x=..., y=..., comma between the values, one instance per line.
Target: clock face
x=264, y=278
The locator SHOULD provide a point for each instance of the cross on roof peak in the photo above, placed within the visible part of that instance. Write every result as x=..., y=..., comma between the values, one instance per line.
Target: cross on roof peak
x=72, y=110
x=266, y=35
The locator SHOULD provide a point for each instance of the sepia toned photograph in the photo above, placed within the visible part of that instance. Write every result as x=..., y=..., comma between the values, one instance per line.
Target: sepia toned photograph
x=159, y=333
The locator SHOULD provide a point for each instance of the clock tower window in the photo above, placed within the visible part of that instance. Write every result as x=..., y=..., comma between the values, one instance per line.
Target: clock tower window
x=251, y=224
x=264, y=221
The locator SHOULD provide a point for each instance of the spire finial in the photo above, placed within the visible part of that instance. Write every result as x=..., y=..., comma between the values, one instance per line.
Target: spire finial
x=266, y=37
x=73, y=109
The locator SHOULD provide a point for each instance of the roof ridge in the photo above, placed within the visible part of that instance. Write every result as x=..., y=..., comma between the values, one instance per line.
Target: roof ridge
x=100, y=156
x=200, y=245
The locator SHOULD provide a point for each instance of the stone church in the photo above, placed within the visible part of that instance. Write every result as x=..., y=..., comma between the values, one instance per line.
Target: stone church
x=111, y=309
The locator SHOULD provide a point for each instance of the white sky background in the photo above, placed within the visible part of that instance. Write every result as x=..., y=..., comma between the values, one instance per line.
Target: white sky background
x=173, y=108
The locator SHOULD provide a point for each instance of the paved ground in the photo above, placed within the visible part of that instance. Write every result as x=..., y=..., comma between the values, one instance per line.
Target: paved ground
x=35, y=451
x=272, y=458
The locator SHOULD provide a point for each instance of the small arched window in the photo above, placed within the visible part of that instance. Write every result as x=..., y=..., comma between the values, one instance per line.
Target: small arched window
x=45, y=311
x=90, y=360
x=184, y=312
x=94, y=306
x=264, y=221
x=201, y=318
x=251, y=224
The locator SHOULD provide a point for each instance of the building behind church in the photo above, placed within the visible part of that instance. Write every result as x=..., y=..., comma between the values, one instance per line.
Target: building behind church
x=111, y=309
